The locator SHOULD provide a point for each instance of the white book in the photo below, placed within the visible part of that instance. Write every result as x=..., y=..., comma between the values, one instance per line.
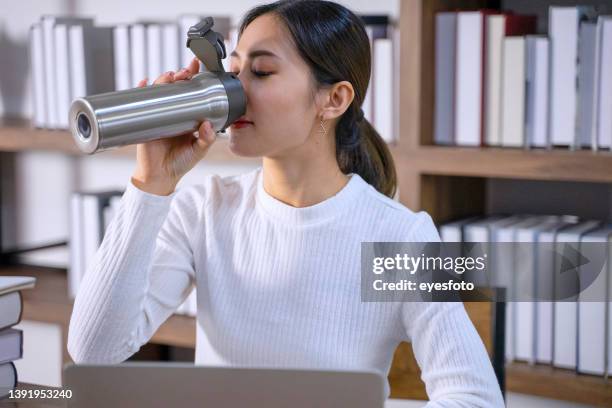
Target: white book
x=536, y=112
x=92, y=230
x=230, y=46
x=187, y=307
x=91, y=51
x=78, y=62
x=453, y=231
x=8, y=378
x=226, y=62
x=233, y=38
x=592, y=312
x=75, y=244
x=604, y=102
x=50, y=91
x=609, y=311
x=525, y=284
x=11, y=305
x=181, y=309
x=122, y=58
x=586, y=83
x=154, y=50
x=493, y=228
x=192, y=309
x=37, y=58
x=9, y=284
x=48, y=23
x=62, y=74
x=544, y=309
x=11, y=346
x=563, y=33
x=138, y=54
x=395, y=36
x=565, y=330
x=478, y=233
x=383, y=90
x=495, y=32
x=170, y=48
x=468, y=79
x=367, y=105
x=185, y=22
x=444, y=120
x=513, y=93
x=506, y=264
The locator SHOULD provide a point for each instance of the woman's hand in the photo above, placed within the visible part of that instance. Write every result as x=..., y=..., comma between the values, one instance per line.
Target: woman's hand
x=161, y=163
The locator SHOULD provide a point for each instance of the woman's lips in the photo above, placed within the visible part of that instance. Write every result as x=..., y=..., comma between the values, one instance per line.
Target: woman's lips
x=240, y=124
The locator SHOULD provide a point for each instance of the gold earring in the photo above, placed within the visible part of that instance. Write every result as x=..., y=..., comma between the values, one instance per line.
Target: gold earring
x=324, y=131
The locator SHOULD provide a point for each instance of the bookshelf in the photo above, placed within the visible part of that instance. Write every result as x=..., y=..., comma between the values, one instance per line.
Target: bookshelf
x=18, y=135
x=447, y=182
x=450, y=182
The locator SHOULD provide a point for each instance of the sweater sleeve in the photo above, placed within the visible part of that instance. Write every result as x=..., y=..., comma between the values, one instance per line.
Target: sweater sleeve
x=455, y=365
x=139, y=276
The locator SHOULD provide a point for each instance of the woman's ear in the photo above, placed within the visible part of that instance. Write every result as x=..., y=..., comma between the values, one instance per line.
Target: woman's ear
x=337, y=100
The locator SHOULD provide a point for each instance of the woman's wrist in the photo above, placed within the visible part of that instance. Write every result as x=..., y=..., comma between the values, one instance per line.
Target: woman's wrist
x=153, y=185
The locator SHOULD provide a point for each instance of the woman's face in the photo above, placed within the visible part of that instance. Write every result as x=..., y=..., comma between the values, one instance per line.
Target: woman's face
x=278, y=88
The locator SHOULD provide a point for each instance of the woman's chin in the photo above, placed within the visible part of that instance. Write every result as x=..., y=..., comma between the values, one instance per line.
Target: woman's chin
x=239, y=146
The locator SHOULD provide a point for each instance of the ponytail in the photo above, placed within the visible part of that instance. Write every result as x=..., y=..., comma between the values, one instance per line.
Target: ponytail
x=361, y=150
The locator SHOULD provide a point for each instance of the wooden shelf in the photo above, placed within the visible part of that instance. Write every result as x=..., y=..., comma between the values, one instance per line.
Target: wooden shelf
x=556, y=164
x=48, y=302
x=18, y=135
x=550, y=382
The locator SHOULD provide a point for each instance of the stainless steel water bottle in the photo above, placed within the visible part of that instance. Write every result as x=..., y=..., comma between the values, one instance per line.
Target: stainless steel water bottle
x=113, y=119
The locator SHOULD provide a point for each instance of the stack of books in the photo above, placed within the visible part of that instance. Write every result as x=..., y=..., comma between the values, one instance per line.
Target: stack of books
x=500, y=84
x=574, y=333
x=11, y=339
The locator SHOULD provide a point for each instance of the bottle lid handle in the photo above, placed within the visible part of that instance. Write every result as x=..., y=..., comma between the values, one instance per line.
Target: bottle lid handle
x=207, y=45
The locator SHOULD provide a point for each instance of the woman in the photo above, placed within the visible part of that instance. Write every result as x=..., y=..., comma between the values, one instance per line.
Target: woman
x=275, y=253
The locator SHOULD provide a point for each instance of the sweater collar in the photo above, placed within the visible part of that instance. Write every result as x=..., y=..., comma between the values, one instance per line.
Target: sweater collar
x=326, y=209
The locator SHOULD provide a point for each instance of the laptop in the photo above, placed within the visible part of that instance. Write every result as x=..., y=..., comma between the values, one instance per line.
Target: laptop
x=184, y=385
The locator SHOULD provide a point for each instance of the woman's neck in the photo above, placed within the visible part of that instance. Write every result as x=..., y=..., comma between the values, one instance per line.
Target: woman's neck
x=302, y=183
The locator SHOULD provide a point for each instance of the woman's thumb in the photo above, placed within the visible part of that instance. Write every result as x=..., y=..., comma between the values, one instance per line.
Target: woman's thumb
x=206, y=135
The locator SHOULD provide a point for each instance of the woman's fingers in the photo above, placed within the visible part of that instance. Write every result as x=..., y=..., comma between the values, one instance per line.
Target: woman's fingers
x=206, y=137
x=194, y=66
x=188, y=72
x=182, y=74
x=143, y=83
x=165, y=78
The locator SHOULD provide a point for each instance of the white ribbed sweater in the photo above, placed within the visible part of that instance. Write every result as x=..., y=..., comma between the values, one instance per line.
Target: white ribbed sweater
x=276, y=286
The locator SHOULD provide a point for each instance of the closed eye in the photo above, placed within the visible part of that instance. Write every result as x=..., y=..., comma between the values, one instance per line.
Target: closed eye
x=256, y=73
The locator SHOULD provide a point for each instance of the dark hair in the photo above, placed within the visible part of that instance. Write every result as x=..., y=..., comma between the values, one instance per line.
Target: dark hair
x=332, y=40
